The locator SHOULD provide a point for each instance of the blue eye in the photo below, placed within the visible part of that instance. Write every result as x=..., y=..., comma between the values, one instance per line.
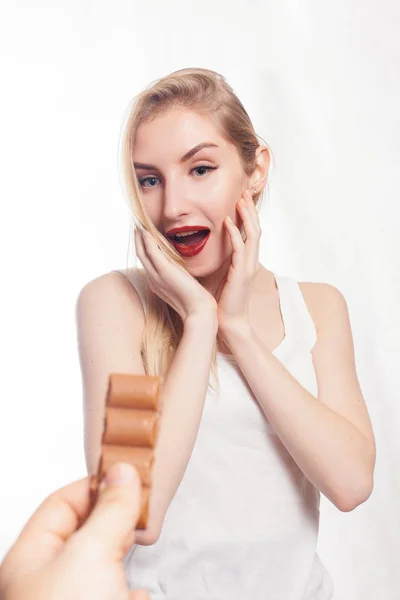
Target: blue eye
x=144, y=179
x=205, y=167
x=141, y=181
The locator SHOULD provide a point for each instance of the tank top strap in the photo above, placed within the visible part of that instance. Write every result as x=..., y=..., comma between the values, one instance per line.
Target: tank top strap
x=299, y=327
x=136, y=277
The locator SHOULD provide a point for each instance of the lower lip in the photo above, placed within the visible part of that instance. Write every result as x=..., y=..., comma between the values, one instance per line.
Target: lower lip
x=188, y=251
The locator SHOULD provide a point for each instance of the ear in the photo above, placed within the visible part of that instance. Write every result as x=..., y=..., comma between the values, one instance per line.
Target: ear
x=259, y=177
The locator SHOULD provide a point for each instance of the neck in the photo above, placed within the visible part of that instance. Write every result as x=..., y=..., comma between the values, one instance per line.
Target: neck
x=212, y=281
x=264, y=282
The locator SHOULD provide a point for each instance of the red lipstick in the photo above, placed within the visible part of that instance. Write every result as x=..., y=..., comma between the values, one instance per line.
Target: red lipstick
x=190, y=250
x=186, y=249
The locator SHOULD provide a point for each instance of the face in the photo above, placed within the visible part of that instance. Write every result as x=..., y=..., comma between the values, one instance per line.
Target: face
x=202, y=190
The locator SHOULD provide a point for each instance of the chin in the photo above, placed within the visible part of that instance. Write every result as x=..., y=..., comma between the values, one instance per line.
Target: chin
x=200, y=271
x=207, y=268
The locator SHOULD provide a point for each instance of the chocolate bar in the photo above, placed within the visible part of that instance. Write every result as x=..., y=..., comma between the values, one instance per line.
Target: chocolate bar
x=130, y=431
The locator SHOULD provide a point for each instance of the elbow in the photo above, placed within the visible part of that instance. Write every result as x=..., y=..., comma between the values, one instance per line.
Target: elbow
x=146, y=537
x=155, y=520
x=150, y=535
x=348, y=502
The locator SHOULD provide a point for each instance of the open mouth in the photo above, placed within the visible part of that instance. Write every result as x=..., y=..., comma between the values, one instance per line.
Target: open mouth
x=190, y=239
x=191, y=243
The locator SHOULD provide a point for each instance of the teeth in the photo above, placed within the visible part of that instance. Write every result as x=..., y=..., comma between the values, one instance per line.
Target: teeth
x=186, y=233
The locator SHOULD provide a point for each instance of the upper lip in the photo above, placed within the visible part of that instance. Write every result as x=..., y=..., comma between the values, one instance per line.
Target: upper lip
x=172, y=232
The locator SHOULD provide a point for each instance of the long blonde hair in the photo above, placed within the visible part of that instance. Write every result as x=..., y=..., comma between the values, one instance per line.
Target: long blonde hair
x=204, y=91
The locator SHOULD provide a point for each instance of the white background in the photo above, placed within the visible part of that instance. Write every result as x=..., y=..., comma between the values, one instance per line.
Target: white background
x=320, y=81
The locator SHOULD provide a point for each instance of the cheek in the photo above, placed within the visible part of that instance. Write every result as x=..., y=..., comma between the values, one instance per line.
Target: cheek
x=222, y=201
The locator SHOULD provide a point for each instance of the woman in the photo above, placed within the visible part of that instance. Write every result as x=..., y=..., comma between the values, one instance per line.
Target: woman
x=238, y=473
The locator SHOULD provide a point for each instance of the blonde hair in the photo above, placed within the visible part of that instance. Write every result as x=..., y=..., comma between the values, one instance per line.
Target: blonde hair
x=208, y=93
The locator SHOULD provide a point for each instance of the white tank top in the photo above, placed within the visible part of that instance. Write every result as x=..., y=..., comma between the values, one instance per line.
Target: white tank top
x=244, y=521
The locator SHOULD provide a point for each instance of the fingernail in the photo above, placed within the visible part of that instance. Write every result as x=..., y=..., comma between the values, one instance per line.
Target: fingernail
x=119, y=474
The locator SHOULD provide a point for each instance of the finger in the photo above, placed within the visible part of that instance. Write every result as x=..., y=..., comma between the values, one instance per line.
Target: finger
x=53, y=522
x=249, y=215
x=160, y=261
x=116, y=512
x=144, y=255
x=253, y=232
x=238, y=256
x=153, y=251
x=252, y=209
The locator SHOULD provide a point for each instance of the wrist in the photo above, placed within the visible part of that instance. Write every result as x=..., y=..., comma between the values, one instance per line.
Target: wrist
x=204, y=321
x=235, y=330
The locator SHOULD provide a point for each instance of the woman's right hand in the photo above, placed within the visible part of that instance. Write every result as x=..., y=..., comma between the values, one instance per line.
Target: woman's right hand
x=171, y=282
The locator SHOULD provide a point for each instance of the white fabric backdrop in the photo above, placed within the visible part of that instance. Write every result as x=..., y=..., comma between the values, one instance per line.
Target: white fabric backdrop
x=321, y=83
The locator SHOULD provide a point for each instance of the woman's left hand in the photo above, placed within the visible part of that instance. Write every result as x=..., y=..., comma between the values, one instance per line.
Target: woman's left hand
x=234, y=291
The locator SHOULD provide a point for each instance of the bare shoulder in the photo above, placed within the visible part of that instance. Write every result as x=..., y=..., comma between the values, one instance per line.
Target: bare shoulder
x=120, y=279
x=325, y=303
x=114, y=288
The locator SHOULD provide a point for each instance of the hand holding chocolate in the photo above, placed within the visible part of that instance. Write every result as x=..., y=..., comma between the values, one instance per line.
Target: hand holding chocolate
x=131, y=426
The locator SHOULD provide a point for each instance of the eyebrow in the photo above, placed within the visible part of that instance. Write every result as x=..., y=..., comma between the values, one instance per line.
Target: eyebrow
x=184, y=158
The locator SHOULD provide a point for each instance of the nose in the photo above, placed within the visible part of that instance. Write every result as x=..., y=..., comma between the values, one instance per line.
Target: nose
x=176, y=202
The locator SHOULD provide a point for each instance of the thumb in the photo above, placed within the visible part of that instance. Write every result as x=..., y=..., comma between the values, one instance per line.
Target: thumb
x=139, y=595
x=117, y=509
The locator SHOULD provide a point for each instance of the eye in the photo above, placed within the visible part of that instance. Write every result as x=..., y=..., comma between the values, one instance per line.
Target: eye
x=142, y=181
x=145, y=179
x=205, y=167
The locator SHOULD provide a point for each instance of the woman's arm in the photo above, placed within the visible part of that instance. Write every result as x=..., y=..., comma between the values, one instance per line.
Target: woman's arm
x=110, y=321
x=183, y=395
x=329, y=437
